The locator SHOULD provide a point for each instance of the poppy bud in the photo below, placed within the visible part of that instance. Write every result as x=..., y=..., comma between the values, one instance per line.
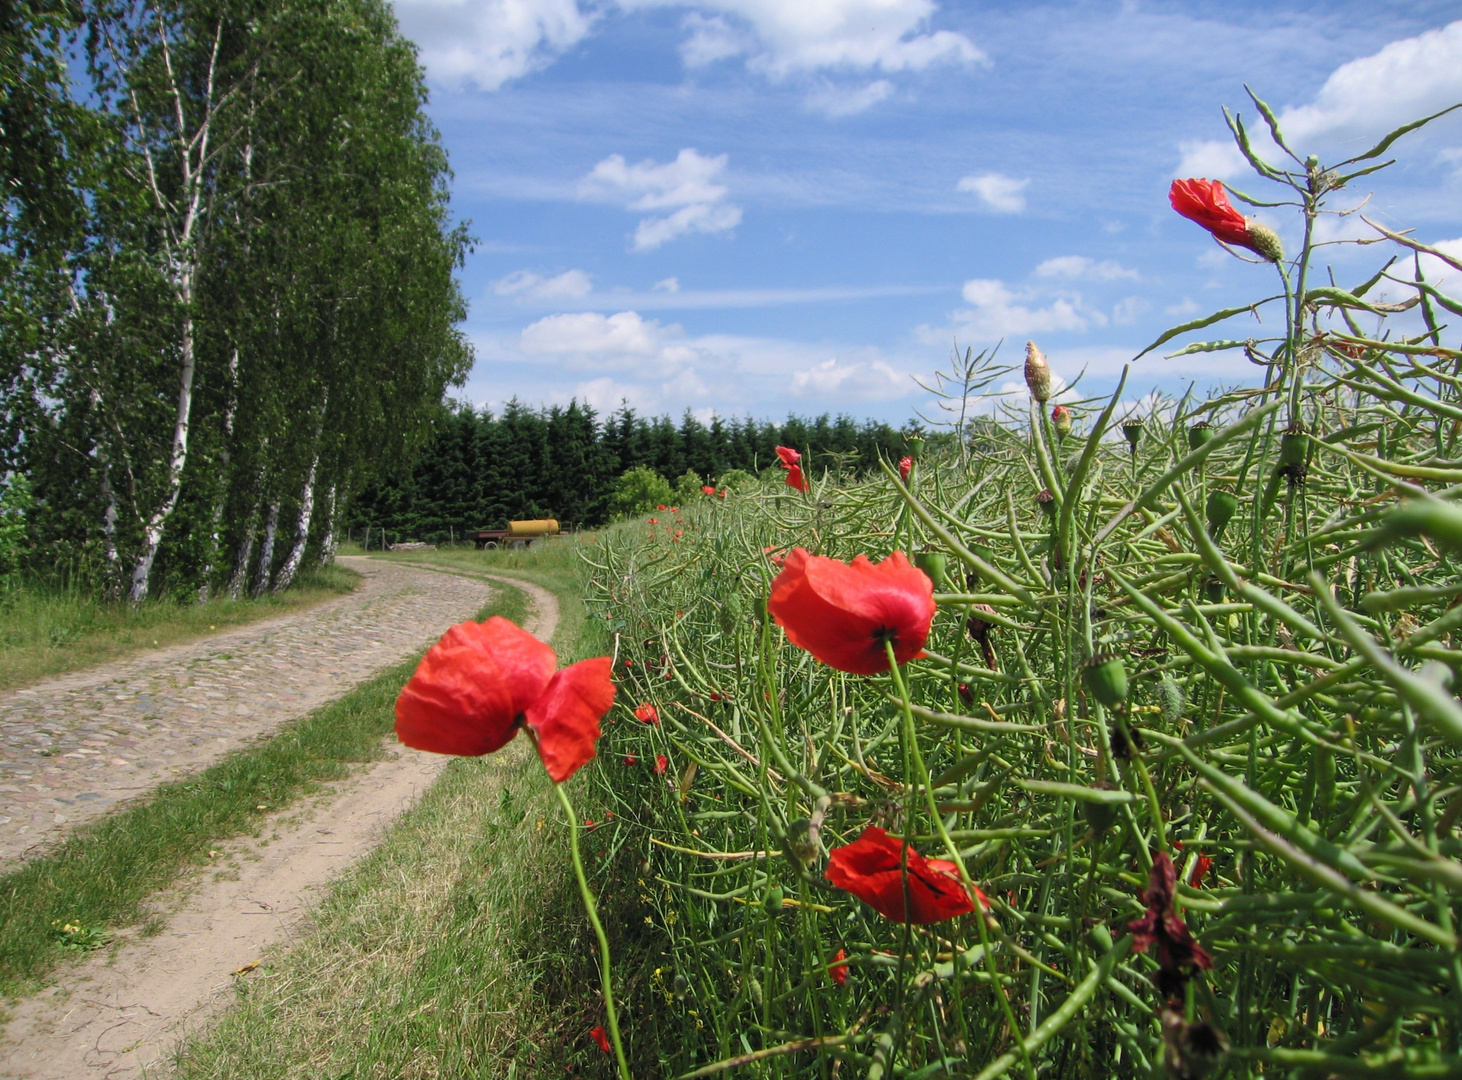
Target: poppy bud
x=1222, y=506
x=966, y=695
x=1171, y=700
x=933, y=563
x=1199, y=434
x=1061, y=419
x=1100, y=937
x=1101, y=816
x=1132, y=430
x=772, y=902
x=906, y=466
x=1294, y=450
x=802, y=846
x=1265, y=241
x=1037, y=373
x=730, y=613
x=1106, y=679
x=977, y=627
x=1046, y=501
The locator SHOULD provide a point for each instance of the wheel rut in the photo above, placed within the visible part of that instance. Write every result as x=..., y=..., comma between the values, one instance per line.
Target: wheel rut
x=118, y=1013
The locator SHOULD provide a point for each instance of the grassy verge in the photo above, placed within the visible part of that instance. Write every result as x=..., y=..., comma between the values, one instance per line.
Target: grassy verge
x=105, y=874
x=50, y=631
x=458, y=947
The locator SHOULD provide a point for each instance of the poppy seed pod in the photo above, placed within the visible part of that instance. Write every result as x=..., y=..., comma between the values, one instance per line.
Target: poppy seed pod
x=1101, y=816
x=1221, y=507
x=772, y=902
x=1294, y=452
x=933, y=563
x=1046, y=501
x=1199, y=435
x=1037, y=373
x=982, y=552
x=802, y=843
x=1214, y=591
x=1061, y=420
x=1132, y=431
x=1106, y=679
x=916, y=446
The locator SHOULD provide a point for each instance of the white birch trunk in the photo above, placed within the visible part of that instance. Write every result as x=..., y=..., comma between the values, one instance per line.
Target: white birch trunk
x=331, y=541
x=240, y=579
x=266, y=553
x=301, y=530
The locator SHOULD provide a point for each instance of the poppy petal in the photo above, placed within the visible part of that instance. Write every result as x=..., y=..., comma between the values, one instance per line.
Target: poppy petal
x=468, y=691
x=842, y=614
x=566, y=718
x=871, y=869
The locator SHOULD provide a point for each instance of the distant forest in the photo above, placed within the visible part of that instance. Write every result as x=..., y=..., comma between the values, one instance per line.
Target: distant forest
x=483, y=469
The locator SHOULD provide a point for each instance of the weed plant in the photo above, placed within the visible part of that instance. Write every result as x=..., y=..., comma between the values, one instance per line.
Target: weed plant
x=1213, y=632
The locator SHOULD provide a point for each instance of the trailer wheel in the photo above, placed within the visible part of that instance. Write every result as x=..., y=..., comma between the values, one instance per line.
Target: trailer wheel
x=515, y=544
x=489, y=545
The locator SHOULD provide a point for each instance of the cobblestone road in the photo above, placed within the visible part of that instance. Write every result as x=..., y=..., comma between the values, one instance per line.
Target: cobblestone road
x=73, y=747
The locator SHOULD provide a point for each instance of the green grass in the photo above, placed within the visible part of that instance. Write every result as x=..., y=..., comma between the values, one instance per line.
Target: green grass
x=458, y=947
x=51, y=630
x=104, y=875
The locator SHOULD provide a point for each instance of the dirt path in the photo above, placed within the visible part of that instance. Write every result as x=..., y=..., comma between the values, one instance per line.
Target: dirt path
x=73, y=747
x=118, y=1014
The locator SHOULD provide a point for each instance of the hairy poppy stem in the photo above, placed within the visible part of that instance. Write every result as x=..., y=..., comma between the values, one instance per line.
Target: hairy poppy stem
x=922, y=777
x=591, y=909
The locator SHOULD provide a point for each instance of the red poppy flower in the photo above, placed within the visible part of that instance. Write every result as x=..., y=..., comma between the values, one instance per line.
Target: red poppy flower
x=906, y=466
x=630, y=759
x=721, y=494
x=795, y=479
x=675, y=509
x=871, y=869
x=661, y=764
x=774, y=557
x=1205, y=202
x=679, y=533
x=1201, y=866
x=483, y=681
x=1177, y=952
x=599, y=1037
x=706, y=489
x=647, y=714
x=839, y=970
x=842, y=614
x=788, y=456
x=653, y=521
x=660, y=506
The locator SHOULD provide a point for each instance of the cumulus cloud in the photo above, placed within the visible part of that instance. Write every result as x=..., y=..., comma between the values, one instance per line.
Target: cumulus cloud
x=1002, y=194
x=1360, y=102
x=860, y=380
x=836, y=100
x=571, y=284
x=780, y=39
x=624, y=340
x=1078, y=267
x=685, y=186
x=998, y=311
x=487, y=43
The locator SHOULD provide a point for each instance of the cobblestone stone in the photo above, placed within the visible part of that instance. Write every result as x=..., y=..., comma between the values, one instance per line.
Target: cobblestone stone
x=74, y=747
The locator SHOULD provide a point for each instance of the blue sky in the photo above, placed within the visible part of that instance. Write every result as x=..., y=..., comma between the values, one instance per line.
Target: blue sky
x=774, y=206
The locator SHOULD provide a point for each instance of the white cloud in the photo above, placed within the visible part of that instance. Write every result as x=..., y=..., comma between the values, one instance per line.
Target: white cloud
x=1360, y=101
x=490, y=42
x=668, y=285
x=601, y=340
x=998, y=311
x=1002, y=194
x=686, y=185
x=1129, y=309
x=711, y=39
x=524, y=283
x=1077, y=267
x=860, y=380
x=792, y=37
x=835, y=100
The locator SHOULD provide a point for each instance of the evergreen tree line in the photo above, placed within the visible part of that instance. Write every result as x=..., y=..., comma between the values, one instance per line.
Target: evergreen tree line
x=227, y=292
x=484, y=469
